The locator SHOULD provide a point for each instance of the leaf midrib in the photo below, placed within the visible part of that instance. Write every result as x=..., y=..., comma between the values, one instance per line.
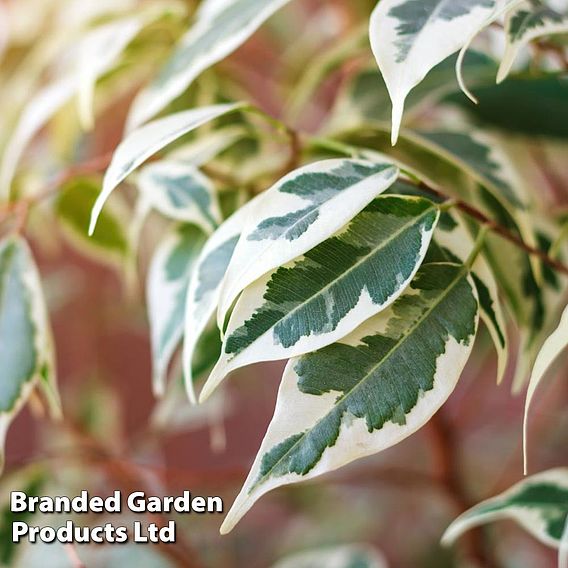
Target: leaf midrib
x=406, y=227
x=366, y=377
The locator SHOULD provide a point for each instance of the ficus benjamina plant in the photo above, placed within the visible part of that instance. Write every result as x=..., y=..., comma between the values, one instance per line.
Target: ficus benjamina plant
x=401, y=192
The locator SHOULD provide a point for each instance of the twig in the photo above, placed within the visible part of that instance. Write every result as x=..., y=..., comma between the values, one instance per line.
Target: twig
x=498, y=229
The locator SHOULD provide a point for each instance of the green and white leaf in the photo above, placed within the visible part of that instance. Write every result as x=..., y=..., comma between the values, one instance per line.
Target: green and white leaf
x=481, y=157
x=168, y=280
x=298, y=212
x=205, y=286
x=406, y=40
x=139, y=145
x=26, y=347
x=457, y=243
x=549, y=352
x=73, y=207
x=538, y=503
x=325, y=294
x=212, y=38
x=344, y=556
x=371, y=390
x=525, y=23
x=181, y=192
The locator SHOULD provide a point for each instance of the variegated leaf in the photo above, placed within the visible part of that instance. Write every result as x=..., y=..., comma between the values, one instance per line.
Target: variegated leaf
x=372, y=389
x=213, y=36
x=548, y=353
x=345, y=556
x=26, y=349
x=181, y=192
x=538, y=503
x=139, y=145
x=300, y=211
x=456, y=244
x=168, y=279
x=406, y=40
x=205, y=286
x=525, y=23
x=481, y=157
x=322, y=296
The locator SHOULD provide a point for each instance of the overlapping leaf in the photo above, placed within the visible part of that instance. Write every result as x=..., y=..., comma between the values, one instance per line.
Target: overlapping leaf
x=372, y=389
x=168, y=279
x=205, y=286
x=301, y=210
x=405, y=38
x=97, y=53
x=455, y=243
x=526, y=22
x=538, y=503
x=219, y=31
x=366, y=98
x=181, y=192
x=323, y=295
x=139, y=145
x=26, y=348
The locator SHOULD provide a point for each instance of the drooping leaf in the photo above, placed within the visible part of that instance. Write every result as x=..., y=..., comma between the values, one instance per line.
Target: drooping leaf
x=538, y=503
x=26, y=349
x=405, y=38
x=525, y=23
x=345, y=556
x=168, y=279
x=325, y=294
x=139, y=145
x=96, y=53
x=372, y=389
x=300, y=211
x=211, y=39
x=549, y=352
x=73, y=206
x=205, y=286
x=181, y=192
x=366, y=100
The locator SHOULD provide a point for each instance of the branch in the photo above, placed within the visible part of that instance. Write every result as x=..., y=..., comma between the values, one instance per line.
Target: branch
x=498, y=229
